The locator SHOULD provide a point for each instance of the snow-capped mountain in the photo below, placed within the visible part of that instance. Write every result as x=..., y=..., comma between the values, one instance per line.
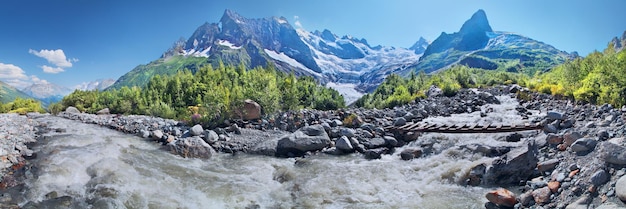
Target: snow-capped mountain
x=344, y=62
x=99, y=84
x=47, y=92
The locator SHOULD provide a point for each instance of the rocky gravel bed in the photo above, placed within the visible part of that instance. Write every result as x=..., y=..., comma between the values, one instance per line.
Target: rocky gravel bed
x=16, y=133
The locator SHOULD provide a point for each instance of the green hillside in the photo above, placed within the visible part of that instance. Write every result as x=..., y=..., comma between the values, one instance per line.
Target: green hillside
x=140, y=75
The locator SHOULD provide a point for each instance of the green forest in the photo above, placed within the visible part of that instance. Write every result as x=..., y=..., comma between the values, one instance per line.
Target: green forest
x=209, y=96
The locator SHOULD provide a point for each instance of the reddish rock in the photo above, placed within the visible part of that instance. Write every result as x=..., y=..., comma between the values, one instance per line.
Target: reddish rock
x=562, y=147
x=573, y=173
x=554, y=186
x=542, y=195
x=554, y=139
x=251, y=110
x=502, y=197
x=570, y=138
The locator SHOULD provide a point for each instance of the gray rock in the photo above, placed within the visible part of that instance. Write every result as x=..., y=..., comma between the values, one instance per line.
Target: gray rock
x=71, y=109
x=516, y=165
x=609, y=205
x=570, y=138
x=191, y=147
x=389, y=140
x=374, y=143
x=554, y=115
x=347, y=132
x=211, y=137
x=550, y=128
x=410, y=153
x=620, y=188
x=375, y=153
x=581, y=203
x=157, y=134
x=567, y=123
x=583, y=145
x=104, y=111
x=336, y=123
x=489, y=98
x=613, y=153
x=344, y=144
x=196, y=130
x=266, y=147
x=600, y=177
x=308, y=138
x=399, y=122
x=434, y=91
x=143, y=133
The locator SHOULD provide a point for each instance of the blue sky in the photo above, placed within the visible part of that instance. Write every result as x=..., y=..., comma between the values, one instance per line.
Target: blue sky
x=69, y=42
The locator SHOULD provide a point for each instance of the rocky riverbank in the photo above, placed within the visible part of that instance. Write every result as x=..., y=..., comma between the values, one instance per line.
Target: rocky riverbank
x=577, y=161
x=16, y=133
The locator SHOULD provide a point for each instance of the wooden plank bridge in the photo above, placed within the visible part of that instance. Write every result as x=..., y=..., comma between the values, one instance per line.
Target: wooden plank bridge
x=464, y=128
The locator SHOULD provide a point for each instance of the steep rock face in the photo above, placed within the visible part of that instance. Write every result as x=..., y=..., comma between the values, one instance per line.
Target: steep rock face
x=619, y=43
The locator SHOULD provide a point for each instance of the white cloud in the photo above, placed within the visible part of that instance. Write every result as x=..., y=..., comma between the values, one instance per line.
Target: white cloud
x=37, y=80
x=297, y=23
x=10, y=71
x=18, y=83
x=53, y=70
x=55, y=57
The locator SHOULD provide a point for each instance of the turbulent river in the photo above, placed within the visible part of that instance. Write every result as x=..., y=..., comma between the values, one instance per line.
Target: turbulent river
x=101, y=168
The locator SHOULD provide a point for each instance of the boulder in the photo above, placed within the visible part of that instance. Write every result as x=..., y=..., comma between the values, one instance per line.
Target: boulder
x=554, y=115
x=620, y=188
x=344, y=144
x=600, y=177
x=513, y=167
x=390, y=140
x=434, y=91
x=71, y=109
x=251, y=110
x=374, y=143
x=399, y=122
x=196, y=130
x=583, y=145
x=613, y=153
x=211, y=137
x=554, y=186
x=554, y=139
x=266, y=147
x=502, y=197
x=308, y=138
x=410, y=153
x=191, y=147
x=157, y=134
x=570, y=138
x=489, y=98
x=550, y=128
x=542, y=195
x=104, y=111
x=375, y=153
x=348, y=132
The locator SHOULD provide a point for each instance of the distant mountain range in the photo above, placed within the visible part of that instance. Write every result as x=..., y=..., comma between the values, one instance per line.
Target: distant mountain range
x=9, y=93
x=50, y=92
x=345, y=59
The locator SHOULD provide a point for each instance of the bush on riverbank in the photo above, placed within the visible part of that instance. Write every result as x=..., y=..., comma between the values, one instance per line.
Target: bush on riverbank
x=21, y=106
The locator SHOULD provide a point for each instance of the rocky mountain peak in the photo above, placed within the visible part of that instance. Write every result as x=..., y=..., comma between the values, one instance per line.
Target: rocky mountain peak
x=477, y=23
x=419, y=46
x=327, y=35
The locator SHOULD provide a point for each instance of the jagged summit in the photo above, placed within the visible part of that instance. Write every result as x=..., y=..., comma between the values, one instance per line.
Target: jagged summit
x=419, y=46
x=477, y=23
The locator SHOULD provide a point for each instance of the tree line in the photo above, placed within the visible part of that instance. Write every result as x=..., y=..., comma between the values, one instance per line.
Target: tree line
x=210, y=95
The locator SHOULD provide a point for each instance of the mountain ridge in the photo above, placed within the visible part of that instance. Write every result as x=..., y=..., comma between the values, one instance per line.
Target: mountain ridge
x=330, y=58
